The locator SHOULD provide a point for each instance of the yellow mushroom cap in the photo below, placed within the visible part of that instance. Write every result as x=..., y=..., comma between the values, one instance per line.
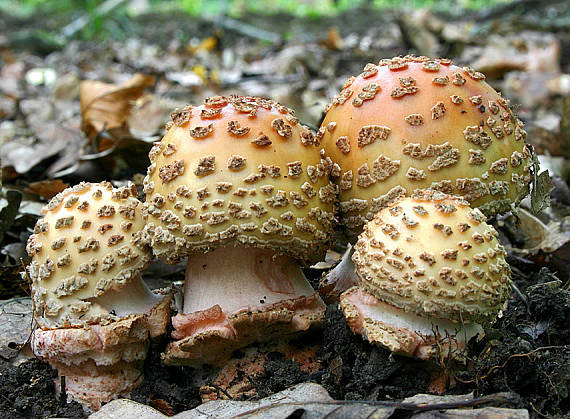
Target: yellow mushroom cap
x=413, y=123
x=431, y=254
x=238, y=171
x=87, y=243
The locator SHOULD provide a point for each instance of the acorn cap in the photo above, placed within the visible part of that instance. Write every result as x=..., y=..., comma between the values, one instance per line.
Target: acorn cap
x=413, y=123
x=238, y=171
x=433, y=255
x=87, y=245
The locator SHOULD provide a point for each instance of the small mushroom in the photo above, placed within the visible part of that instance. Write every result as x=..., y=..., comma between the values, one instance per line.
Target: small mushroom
x=239, y=187
x=430, y=271
x=94, y=314
x=413, y=123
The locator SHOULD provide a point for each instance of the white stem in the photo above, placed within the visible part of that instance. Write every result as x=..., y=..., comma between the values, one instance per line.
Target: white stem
x=237, y=278
x=135, y=297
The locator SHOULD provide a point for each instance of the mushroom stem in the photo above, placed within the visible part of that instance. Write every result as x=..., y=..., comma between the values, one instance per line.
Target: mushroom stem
x=141, y=300
x=235, y=296
x=404, y=332
x=103, y=361
x=341, y=278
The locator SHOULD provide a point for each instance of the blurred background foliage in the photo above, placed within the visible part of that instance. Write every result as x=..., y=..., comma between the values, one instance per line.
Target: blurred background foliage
x=123, y=11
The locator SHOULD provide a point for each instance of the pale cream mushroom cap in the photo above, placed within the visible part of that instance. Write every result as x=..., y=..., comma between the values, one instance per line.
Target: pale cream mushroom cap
x=86, y=245
x=432, y=255
x=413, y=123
x=95, y=315
x=238, y=171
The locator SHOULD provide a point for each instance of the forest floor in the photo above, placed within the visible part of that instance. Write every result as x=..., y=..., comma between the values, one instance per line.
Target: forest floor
x=47, y=144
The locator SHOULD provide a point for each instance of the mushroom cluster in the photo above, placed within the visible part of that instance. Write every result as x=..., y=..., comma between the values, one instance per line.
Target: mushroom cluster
x=410, y=124
x=239, y=187
x=415, y=153
x=94, y=314
x=430, y=269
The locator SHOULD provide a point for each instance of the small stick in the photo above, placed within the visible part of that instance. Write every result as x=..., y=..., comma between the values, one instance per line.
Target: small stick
x=62, y=393
x=509, y=398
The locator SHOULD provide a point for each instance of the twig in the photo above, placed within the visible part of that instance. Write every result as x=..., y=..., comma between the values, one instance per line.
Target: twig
x=217, y=387
x=245, y=28
x=63, y=391
x=521, y=296
x=507, y=398
x=542, y=348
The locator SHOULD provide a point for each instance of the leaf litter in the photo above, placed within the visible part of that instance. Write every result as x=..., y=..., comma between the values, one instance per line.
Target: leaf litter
x=91, y=110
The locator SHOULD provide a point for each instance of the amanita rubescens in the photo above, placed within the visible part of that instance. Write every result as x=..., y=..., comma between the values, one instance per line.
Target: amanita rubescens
x=414, y=123
x=239, y=187
x=430, y=270
x=94, y=314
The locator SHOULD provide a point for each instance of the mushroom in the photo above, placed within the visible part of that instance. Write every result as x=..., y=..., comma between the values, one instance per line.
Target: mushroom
x=241, y=188
x=93, y=311
x=413, y=123
x=430, y=271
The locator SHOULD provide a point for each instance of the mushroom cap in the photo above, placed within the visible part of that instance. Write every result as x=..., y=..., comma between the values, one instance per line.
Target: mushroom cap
x=238, y=171
x=87, y=243
x=431, y=254
x=414, y=123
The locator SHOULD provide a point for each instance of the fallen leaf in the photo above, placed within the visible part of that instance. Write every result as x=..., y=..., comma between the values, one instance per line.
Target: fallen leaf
x=47, y=188
x=333, y=41
x=107, y=106
x=9, y=206
x=149, y=116
x=162, y=406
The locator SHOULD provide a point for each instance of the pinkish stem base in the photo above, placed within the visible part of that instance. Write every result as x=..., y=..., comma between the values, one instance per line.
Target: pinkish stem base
x=236, y=296
x=103, y=361
x=403, y=332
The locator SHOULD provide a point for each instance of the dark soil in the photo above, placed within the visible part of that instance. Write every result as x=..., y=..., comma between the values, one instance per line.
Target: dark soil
x=354, y=369
x=527, y=349
x=169, y=387
x=525, y=352
x=27, y=391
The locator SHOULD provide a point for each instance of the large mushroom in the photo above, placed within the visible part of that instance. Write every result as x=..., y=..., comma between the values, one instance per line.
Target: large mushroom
x=430, y=271
x=413, y=123
x=94, y=314
x=239, y=187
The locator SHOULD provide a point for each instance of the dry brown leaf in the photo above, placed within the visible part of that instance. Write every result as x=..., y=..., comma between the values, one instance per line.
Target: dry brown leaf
x=333, y=40
x=162, y=406
x=47, y=188
x=107, y=106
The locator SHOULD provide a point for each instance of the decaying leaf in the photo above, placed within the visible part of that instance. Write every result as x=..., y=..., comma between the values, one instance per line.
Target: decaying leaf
x=9, y=205
x=541, y=187
x=148, y=116
x=15, y=322
x=107, y=106
x=162, y=406
x=47, y=188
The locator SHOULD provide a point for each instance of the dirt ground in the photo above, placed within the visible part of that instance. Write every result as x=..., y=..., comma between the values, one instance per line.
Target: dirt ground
x=526, y=351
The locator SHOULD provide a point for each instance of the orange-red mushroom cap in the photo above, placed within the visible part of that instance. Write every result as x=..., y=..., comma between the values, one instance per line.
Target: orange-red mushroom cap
x=413, y=123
